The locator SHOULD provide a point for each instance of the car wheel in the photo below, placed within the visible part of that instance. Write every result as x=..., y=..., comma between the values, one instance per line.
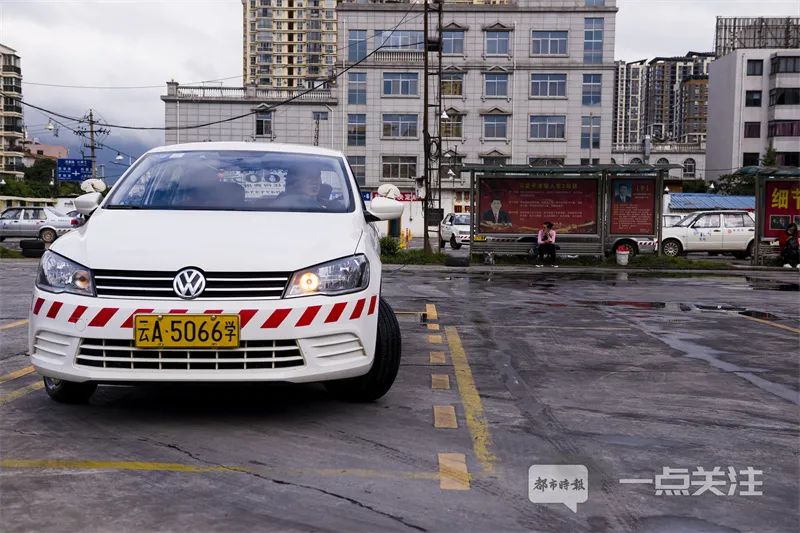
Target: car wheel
x=744, y=255
x=455, y=245
x=47, y=235
x=68, y=391
x=442, y=243
x=31, y=244
x=671, y=248
x=379, y=379
x=32, y=252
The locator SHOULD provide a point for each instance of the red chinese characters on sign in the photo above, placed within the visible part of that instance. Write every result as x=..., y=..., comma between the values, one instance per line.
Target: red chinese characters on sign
x=633, y=207
x=404, y=196
x=782, y=207
x=523, y=205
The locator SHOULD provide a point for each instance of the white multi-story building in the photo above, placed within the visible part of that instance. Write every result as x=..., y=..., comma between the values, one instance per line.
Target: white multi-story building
x=12, y=132
x=754, y=103
x=526, y=82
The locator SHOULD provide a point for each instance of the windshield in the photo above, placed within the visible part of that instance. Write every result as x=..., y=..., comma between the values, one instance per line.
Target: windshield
x=461, y=220
x=235, y=181
x=685, y=221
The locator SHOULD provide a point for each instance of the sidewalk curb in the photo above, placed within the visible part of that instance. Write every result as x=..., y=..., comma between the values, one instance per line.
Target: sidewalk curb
x=388, y=268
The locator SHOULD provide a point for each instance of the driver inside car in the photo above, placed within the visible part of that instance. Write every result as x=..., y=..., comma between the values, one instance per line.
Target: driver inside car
x=302, y=189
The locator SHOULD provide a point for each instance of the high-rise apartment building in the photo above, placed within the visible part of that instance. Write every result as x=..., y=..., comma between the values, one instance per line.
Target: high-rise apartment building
x=693, y=109
x=288, y=44
x=629, y=98
x=12, y=132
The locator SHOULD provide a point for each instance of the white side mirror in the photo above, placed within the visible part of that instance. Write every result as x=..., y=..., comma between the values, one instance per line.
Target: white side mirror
x=85, y=204
x=93, y=185
x=384, y=208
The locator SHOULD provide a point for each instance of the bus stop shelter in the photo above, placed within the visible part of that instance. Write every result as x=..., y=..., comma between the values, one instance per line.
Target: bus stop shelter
x=595, y=208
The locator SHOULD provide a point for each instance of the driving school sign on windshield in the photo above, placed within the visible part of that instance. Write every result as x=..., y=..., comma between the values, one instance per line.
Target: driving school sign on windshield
x=522, y=205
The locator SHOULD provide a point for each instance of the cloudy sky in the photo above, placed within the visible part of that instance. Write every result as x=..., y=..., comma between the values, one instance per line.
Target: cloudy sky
x=147, y=42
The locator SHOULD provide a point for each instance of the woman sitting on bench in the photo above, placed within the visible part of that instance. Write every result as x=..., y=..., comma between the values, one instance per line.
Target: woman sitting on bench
x=547, y=242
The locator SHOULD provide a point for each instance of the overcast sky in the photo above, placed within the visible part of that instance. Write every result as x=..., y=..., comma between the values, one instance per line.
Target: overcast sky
x=147, y=42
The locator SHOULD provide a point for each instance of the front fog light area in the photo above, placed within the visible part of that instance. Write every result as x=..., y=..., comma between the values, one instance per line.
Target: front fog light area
x=349, y=274
x=59, y=274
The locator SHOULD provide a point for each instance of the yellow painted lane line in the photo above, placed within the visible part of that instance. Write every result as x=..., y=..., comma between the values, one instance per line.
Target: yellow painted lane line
x=14, y=324
x=433, y=327
x=19, y=393
x=142, y=466
x=444, y=417
x=16, y=374
x=431, y=313
x=438, y=358
x=435, y=339
x=453, y=473
x=773, y=324
x=473, y=408
x=440, y=381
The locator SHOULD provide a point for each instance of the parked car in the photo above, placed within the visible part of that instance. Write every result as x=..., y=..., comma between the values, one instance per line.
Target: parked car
x=711, y=231
x=671, y=220
x=35, y=222
x=220, y=262
x=455, y=229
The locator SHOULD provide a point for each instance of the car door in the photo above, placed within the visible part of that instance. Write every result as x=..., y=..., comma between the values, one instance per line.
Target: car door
x=32, y=220
x=9, y=222
x=447, y=227
x=736, y=235
x=705, y=233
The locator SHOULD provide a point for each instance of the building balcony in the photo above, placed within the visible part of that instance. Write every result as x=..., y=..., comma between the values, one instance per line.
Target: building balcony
x=14, y=167
x=660, y=148
x=11, y=108
x=12, y=70
x=12, y=89
x=392, y=57
x=12, y=129
x=234, y=94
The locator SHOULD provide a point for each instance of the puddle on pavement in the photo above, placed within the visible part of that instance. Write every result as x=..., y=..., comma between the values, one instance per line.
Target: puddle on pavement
x=625, y=303
x=729, y=308
x=759, y=314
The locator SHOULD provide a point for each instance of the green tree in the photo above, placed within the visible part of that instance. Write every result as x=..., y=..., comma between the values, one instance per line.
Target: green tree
x=737, y=185
x=770, y=158
x=36, y=183
x=695, y=186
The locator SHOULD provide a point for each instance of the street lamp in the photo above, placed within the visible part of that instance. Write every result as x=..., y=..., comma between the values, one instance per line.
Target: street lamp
x=711, y=187
x=119, y=157
x=2, y=182
x=666, y=190
x=50, y=126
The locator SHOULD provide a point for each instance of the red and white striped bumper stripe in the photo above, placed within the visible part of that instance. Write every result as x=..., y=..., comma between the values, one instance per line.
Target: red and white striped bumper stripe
x=299, y=317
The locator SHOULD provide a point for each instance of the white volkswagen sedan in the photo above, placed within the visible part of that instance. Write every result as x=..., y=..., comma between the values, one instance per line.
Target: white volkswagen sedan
x=219, y=262
x=455, y=229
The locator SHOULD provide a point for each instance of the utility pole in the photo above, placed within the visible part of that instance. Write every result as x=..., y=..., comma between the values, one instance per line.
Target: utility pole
x=92, y=133
x=426, y=136
x=431, y=45
x=92, y=146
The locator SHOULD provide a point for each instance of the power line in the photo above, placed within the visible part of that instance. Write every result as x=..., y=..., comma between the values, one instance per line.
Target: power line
x=114, y=87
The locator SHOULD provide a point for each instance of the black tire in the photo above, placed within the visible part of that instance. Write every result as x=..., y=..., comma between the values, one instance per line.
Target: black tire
x=31, y=244
x=672, y=248
x=48, y=235
x=442, y=243
x=379, y=379
x=455, y=245
x=744, y=255
x=32, y=252
x=68, y=391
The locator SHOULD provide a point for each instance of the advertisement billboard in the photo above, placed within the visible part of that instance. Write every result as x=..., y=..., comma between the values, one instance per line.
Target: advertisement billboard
x=633, y=206
x=782, y=206
x=522, y=205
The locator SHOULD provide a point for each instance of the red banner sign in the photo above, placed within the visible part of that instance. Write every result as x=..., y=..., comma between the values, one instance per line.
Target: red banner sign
x=404, y=196
x=522, y=205
x=782, y=207
x=633, y=207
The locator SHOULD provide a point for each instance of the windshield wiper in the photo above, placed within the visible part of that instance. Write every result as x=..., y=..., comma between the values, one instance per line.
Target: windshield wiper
x=123, y=206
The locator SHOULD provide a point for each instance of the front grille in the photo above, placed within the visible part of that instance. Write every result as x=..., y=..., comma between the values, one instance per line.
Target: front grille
x=109, y=353
x=157, y=285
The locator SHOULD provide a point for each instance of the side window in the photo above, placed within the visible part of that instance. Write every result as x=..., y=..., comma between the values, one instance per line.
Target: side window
x=448, y=219
x=707, y=221
x=748, y=222
x=11, y=214
x=32, y=214
x=733, y=220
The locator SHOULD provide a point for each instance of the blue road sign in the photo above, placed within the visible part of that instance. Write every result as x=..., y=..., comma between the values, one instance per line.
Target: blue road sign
x=366, y=196
x=74, y=169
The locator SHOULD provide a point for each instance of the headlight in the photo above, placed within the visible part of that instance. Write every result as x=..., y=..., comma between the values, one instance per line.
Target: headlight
x=349, y=274
x=59, y=274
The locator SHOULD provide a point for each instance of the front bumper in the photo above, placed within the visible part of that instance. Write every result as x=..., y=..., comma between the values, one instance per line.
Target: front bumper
x=462, y=238
x=318, y=338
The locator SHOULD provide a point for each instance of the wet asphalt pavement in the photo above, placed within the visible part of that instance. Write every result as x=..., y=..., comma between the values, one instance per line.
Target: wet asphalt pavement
x=624, y=373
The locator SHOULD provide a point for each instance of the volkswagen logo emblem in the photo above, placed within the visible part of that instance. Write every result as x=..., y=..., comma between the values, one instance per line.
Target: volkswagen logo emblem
x=189, y=283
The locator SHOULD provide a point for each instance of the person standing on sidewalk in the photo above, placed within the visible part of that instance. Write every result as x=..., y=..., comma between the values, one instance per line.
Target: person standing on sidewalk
x=790, y=252
x=547, y=242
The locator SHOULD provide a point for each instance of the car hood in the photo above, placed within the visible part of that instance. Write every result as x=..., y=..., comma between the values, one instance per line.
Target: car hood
x=211, y=240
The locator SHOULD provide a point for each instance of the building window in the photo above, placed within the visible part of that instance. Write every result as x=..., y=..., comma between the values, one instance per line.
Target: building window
x=548, y=85
x=356, y=45
x=497, y=43
x=264, y=124
x=750, y=159
x=357, y=129
x=400, y=84
x=395, y=125
x=453, y=84
x=752, y=130
x=590, y=132
x=592, y=161
x=319, y=115
x=549, y=43
x=399, y=39
x=398, y=167
x=452, y=42
x=547, y=127
x=784, y=96
x=662, y=161
x=452, y=127
x=755, y=67
x=593, y=41
x=356, y=88
x=689, y=168
x=495, y=85
x=783, y=128
x=494, y=161
x=788, y=159
x=784, y=64
x=546, y=161
x=592, y=89
x=595, y=3
x=495, y=127
x=358, y=164
x=636, y=161
x=752, y=99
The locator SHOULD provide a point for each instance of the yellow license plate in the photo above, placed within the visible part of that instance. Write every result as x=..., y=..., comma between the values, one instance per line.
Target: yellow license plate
x=186, y=331
x=480, y=237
